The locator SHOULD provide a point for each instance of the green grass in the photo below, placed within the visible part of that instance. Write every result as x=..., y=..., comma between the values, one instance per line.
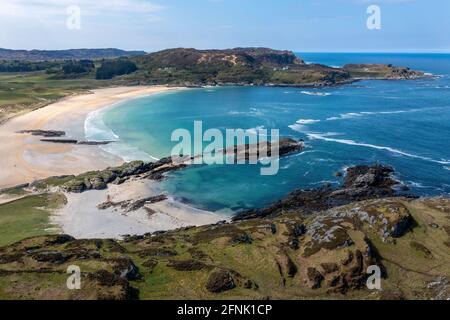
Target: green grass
x=27, y=217
x=27, y=91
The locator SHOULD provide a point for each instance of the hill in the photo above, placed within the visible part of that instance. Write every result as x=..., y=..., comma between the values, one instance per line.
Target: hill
x=314, y=244
x=71, y=54
x=239, y=66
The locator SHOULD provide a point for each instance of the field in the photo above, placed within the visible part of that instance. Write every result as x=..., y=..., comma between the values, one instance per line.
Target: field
x=27, y=217
x=22, y=92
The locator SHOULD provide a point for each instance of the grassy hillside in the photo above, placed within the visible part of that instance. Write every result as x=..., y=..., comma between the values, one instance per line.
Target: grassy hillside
x=52, y=55
x=27, y=91
x=234, y=66
x=322, y=256
x=27, y=216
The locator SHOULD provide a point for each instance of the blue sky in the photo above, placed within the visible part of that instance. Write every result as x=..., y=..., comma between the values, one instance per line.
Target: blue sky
x=299, y=25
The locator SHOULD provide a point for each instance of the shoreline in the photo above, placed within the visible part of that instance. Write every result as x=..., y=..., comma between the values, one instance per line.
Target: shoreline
x=82, y=217
x=25, y=158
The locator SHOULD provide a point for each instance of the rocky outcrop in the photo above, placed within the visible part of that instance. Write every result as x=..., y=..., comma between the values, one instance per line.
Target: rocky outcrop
x=44, y=133
x=382, y=71
x=99, y=180
x=360, y=183
x=73, y=141
x=285, y=147
x=132, y=205
x=220, y=281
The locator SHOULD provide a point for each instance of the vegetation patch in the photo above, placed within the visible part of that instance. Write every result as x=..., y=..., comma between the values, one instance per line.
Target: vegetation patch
x=27, y=217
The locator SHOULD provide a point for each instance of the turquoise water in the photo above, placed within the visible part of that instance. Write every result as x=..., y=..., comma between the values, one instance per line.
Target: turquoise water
x=405, y=124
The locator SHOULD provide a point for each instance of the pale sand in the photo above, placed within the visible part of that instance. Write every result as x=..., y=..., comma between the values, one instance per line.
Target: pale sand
x=82, y=219
x=23, y=158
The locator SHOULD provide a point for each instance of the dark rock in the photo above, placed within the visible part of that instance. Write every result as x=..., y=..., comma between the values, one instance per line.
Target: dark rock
x=54, y=257
x=60, y=239
x=273, y=228
x=315, y=278
x=44, y=133
x=220, y=281
x=150, y=263
x=106, y=278
x=157, y=252
x=94, y=143
x=360, y=183
x=9, y=258
x=97, y=183
x=299, y=230
x=291, y=268
x=329, y=267
x=188, y=265
x=243, y=238
x=64, y=141
x=130, y=205
x=125, y=268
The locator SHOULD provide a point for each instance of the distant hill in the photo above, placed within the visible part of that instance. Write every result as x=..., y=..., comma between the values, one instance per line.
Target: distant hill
x=249, y=66
x=71, y=54
x=258, y=66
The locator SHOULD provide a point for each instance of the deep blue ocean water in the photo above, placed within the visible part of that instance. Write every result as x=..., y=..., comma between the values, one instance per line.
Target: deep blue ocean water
x=405, y=124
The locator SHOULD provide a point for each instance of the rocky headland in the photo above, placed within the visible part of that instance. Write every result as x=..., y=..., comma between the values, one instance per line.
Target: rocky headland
x=312, y=244
x=252, y=66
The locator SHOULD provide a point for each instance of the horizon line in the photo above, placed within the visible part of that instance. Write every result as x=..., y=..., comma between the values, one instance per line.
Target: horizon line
x=405, y=51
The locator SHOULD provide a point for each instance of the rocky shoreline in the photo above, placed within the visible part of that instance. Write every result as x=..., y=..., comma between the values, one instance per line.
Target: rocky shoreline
x=360, y=183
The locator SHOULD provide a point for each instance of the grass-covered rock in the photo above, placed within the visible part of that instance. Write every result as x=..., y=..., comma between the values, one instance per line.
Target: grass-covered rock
x=406, y=238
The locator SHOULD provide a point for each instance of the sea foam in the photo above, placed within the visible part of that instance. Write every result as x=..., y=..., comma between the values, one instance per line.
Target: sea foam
x=96, y=130
x=326, y=137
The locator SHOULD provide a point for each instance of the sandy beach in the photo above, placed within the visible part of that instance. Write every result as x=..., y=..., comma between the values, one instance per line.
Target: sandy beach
x=25, y=158
x=83, y=219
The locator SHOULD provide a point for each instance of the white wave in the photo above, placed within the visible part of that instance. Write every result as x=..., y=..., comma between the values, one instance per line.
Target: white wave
x=233, y=113
x=351, y=115
x=447, y=168
x=307, y=121
x=325, y=137
x=96, y=130
x=256, y=112
x=256, y=131
x=298, y=127
x=251, y=112
x=321, y=94
x=416, y=184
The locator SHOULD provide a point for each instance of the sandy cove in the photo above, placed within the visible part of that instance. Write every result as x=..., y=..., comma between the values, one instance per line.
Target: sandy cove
x=25, y=158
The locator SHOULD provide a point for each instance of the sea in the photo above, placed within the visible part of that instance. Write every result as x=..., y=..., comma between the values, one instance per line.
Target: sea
x=403, y=124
